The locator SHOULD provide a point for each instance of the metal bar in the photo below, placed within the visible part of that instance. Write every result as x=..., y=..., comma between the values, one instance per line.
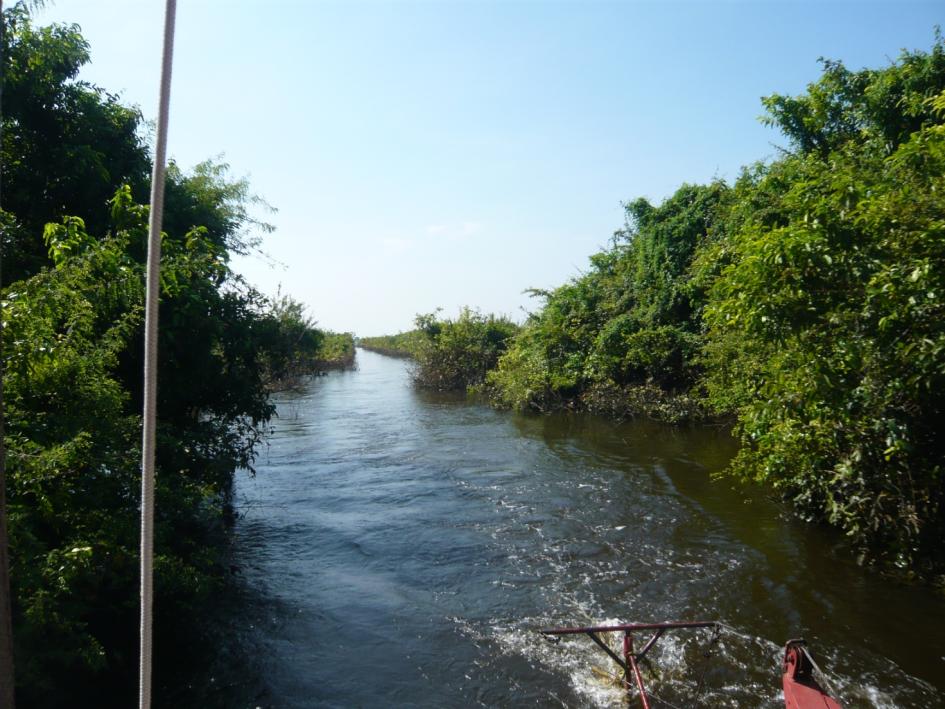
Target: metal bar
x=650, y=643
x=628, y=654
x=630, y=627
x=149, y=413
x=603, y=646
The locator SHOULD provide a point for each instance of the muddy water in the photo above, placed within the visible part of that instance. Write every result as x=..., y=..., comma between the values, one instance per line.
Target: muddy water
x=401, y=549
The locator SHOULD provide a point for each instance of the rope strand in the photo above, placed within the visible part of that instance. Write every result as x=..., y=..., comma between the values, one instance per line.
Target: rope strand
x=150, y=361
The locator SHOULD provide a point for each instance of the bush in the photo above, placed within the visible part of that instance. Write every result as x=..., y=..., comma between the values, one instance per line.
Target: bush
x=457, y=354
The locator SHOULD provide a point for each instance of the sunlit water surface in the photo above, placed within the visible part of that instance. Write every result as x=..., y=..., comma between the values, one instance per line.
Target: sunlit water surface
x=398, y=548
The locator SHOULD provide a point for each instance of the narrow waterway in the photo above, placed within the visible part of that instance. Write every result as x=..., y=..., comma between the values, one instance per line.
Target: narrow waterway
x=401, y=549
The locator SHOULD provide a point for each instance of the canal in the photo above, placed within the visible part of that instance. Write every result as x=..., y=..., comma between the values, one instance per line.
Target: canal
x=400, y=548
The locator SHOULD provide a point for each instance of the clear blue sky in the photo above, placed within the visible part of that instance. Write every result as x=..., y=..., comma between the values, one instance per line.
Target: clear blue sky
x=425, y=155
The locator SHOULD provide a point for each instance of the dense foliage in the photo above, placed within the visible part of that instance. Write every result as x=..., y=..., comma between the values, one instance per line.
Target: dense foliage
x=403, y=344
x=449, y=354
x=337, y=351
x=825, y=324
x=73, y=247
x=622, y=338
x=805, y=302
x=297, y=348
x=457, y=354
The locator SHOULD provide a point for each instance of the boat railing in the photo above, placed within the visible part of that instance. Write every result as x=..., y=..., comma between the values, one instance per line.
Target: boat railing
x=631, y=658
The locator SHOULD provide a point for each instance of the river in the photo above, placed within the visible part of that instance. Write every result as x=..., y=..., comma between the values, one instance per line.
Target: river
x=400, y=548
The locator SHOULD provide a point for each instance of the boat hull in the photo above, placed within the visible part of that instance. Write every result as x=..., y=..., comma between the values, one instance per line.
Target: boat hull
x=801, y=690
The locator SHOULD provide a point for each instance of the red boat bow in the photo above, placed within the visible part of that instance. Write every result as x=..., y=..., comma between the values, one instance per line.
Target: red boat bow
x=801, y=690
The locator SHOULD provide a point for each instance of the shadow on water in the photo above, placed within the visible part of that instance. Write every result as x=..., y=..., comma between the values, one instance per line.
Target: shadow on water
x=402, y=547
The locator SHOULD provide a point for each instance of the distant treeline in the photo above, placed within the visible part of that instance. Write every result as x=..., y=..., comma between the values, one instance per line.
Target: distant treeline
x=804, y=303
x=76, y=174
x=404, y=344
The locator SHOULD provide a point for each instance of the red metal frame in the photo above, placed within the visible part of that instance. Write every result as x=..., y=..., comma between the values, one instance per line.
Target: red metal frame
x=801, y=689
x=632, y=627
x=631, y=658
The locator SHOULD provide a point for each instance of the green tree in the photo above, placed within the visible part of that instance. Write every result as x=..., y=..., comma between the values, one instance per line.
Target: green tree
x=624, y=337
x=69, y=141
x=292, y=342
x=885, y=105
x=457, y=354
x=73, y=250
x=827, y=321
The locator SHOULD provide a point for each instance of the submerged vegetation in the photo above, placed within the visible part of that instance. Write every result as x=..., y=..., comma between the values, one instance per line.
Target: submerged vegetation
x=624, y=338
x=336, y=351
x=449, y=354
x=300, y=349
x=805, y=303
x=457, y=354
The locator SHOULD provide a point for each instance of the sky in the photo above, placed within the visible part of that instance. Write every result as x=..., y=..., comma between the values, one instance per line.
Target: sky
x=441, y=154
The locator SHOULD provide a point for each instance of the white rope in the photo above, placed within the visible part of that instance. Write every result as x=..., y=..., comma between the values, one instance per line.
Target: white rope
x=152, y=287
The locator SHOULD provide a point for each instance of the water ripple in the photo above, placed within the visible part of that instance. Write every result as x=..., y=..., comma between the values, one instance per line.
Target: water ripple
x=402, y=548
